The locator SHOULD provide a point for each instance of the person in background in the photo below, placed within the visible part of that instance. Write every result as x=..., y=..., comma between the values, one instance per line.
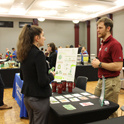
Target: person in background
x=67, y=46
x=34, y=72
x=56, y=49
x=2, y=104
x=71, y=46
x=52, y=55
x=83, y=51
x=79, y=48
x=8, y=54
x=0, y=55
x=14, y=55
x=109, y=62
x=60, y=47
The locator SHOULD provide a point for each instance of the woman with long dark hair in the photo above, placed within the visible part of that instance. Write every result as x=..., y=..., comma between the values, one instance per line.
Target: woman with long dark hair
x=34, y=72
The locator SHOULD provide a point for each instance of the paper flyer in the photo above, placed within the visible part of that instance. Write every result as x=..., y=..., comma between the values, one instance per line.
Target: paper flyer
x=59, y=97
x=74, y=99
x=77, y=95
x=92, y=96
x=85, y=94
x=69, y=107
x=68, y=96
x=66, y=64
x=64, y=100
x=83, y=98
x=53, y=100
x=86, y=103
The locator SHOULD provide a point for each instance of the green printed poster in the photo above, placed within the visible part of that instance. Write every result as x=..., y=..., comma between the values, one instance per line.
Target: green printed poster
x=66, y=64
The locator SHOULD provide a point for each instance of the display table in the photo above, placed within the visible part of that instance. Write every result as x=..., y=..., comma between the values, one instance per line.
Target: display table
x=82, y=114
x=88, y=71
x=8, y=76
x=119, y=120
x=59, y=115
x=17, y=86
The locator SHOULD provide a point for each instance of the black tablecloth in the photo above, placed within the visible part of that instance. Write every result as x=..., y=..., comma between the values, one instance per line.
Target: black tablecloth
x=119, y=120
x=8, y=76
x=88, y=71
x=59, y=115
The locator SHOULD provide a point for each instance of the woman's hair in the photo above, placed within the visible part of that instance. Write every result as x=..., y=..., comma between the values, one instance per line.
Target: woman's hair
x=53, y=47
x=26, y=39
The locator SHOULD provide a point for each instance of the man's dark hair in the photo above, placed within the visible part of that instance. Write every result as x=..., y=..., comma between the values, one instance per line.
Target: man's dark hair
x=107, y=22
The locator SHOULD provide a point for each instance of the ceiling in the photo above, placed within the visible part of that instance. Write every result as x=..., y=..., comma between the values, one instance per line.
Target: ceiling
x=80, y=10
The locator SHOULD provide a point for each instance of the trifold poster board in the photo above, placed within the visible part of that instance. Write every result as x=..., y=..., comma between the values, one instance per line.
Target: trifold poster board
x=66, y=64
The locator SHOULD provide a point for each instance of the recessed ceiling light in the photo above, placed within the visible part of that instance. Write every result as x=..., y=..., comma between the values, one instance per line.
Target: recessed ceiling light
x=41, y=19
x=75, y=21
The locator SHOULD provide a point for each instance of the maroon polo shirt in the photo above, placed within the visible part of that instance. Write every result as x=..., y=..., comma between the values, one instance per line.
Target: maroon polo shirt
x=110, y=51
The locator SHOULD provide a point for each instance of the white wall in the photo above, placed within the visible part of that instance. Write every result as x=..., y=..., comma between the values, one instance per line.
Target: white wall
x=82, y=33
x=93, y=37
x=59, y=32
x=85, y=28
x=118, y=29
x=9, y=36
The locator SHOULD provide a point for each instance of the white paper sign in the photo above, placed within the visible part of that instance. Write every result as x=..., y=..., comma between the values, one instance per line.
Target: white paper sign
x=66, y=64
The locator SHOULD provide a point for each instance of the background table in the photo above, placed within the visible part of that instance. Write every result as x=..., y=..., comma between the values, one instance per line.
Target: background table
x=88, y=71
x=59, y=115
x=8, y=76
x=81, y=70
x=17, y=86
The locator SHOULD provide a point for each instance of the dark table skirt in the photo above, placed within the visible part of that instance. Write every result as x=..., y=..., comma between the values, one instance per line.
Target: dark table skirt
x=8, y=76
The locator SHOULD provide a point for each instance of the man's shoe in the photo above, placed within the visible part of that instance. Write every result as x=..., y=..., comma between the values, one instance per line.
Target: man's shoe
x=5, y=107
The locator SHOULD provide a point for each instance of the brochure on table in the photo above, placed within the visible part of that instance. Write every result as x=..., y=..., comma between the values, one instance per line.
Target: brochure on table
x=67, y=99
x=66, y=64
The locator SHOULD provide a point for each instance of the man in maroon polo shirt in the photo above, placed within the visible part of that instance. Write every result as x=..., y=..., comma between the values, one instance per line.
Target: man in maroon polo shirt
x=109, y=62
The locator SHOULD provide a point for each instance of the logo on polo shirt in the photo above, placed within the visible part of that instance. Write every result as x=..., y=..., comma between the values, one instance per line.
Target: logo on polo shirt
x=106, y=49
x=119, y=57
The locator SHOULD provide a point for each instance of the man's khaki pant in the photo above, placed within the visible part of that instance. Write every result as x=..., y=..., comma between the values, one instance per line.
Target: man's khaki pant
x=112, y=89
